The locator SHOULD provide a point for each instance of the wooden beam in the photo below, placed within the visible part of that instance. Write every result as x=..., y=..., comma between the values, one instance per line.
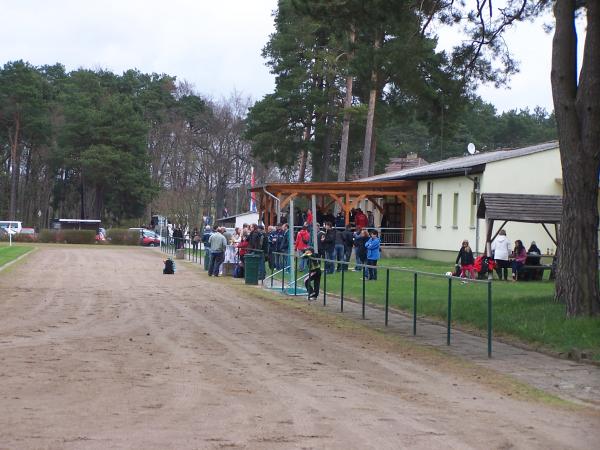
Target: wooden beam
x=551, y=237
x=374, y=201
x=358, y=199
x=347, y=209
x=338, y=200
x=287, y=200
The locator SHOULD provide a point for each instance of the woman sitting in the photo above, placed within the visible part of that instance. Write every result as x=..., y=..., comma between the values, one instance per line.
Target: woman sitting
x=518, y=259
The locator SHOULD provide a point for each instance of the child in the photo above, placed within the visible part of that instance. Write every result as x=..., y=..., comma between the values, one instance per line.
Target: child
x=314, y=274
x=169, y=267
x=465, y=256
x=373, y=246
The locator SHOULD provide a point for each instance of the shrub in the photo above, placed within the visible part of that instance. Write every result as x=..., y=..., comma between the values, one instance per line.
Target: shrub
x=67, y=236
x=119, y=236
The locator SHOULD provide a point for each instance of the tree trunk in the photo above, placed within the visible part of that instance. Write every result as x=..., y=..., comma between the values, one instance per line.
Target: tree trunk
x=347, y=114
x=14, y=170
x=578, y=118
x=303, y=153
x=366, y=169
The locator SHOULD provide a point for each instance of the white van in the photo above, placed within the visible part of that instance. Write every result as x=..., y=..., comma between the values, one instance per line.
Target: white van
x=13, y=225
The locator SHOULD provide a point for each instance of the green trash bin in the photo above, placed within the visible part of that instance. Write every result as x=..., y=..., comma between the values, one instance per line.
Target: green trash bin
x=206, y=258
x=251, y=262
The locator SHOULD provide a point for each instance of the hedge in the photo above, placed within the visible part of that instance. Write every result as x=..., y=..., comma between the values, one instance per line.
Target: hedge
x=123, y=236
x=67, y=236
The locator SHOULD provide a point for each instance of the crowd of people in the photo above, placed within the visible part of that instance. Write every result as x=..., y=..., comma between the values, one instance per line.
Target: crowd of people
x=504, y=256
x=335, y=241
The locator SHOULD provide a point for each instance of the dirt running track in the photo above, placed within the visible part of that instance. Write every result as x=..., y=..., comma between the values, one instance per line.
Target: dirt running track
x=98, y=350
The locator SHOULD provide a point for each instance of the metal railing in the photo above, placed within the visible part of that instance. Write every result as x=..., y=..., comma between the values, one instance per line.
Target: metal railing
x=271, y=279
x=280, y=278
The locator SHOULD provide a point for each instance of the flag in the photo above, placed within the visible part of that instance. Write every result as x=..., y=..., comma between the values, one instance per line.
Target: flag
x=252, y=194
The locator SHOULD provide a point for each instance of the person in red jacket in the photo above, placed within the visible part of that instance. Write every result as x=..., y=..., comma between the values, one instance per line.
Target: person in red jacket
x=302, y=243
x=360, y=219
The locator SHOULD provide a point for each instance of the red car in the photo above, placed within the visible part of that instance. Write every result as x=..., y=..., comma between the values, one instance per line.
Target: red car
x=150, y=238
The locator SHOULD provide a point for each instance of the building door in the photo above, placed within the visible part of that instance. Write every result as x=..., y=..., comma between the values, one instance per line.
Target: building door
x=395, y=219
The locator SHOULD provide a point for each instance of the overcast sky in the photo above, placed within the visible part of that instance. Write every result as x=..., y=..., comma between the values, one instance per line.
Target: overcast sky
x=215, y=45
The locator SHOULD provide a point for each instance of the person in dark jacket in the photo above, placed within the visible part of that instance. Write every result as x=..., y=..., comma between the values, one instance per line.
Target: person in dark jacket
x=328, y=246
x=313, y=280
x=348, y=240
x=360, y=239
x=340, y=249
x=465, y=256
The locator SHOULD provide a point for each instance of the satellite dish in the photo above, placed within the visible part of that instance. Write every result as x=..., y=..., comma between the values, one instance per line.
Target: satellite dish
x=471, y=148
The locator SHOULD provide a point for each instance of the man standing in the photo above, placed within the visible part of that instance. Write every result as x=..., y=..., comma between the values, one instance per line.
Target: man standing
x=328, y=247
x=302, y=243
x=217, y=244
x=313, y=280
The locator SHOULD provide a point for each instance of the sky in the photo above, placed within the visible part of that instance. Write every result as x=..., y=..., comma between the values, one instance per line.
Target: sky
x=215, y=45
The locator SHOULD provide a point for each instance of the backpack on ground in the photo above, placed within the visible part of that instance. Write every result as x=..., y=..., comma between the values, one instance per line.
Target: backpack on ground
x=169, y=268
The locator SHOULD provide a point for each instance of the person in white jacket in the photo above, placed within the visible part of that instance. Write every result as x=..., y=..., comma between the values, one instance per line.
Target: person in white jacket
x=501, y=250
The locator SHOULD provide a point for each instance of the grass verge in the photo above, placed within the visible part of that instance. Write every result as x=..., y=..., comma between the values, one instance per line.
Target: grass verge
x=8, y=254
x=523, y=311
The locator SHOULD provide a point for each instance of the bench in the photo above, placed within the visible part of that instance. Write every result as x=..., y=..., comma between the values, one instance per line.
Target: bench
x=530, y=269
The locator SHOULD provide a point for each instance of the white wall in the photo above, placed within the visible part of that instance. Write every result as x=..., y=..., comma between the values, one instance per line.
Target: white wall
x=531, y=174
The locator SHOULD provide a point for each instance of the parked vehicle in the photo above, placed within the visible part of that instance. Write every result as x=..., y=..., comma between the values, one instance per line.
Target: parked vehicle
x=150, y=238
x=13, y=225
x=28, y=234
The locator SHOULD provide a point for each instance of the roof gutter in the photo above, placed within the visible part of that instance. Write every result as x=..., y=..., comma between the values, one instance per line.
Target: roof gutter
x=277, y=200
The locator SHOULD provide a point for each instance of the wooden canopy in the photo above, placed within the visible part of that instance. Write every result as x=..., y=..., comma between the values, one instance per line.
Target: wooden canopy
x=520, y=208
x=347, y=194
x=528, y=208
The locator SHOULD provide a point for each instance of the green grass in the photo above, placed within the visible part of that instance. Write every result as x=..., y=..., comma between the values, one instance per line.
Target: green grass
x=7, y=254
x=524, y=310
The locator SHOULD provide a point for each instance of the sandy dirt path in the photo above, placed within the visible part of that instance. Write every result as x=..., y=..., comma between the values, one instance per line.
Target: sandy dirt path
x=99, y=350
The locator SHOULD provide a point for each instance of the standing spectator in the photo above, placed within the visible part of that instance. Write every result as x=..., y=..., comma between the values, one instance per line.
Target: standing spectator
x=370, y=219
x=237, y=236
x=206, y=235
x=178, y=237
x=217, y=244
x=196, y=238
x=360, y=239
x=519, y=257
x=263, y=249
x=373, y=246
x=348, y=239
x=328, y=246
x=465, y=256
x=340, y=221
x=501, y=252
x=339, y=249
x=228, y=235
x=309, y=217
x=272, y=238
x=302, y=243
x=283, y=246
x=361, y=220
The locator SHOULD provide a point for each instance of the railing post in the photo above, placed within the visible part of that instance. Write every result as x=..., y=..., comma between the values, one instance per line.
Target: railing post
x=325, y=286
x=489, y=321
x=283, y=278
x=415, y=305
x=387, y=295
x=449, y=309
x=342, y=293
x=295, y=275
x=363, y=295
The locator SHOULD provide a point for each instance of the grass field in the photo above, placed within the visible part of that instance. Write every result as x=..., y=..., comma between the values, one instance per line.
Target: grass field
x=7, y=254
x=522, y=310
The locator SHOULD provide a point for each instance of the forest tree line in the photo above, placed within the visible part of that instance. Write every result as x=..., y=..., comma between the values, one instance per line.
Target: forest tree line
x=94, y=144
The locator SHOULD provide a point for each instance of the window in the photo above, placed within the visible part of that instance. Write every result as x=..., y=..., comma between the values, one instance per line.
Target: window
x=424, y=211
x=429, y=192
x=455, y=211
x=439, y=211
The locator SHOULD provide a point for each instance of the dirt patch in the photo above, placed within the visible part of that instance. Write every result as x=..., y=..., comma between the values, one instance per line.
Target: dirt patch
x=99, y=350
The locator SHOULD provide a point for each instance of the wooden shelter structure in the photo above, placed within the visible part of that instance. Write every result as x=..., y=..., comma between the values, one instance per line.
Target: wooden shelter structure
x=273, y=197
x=542, y=209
